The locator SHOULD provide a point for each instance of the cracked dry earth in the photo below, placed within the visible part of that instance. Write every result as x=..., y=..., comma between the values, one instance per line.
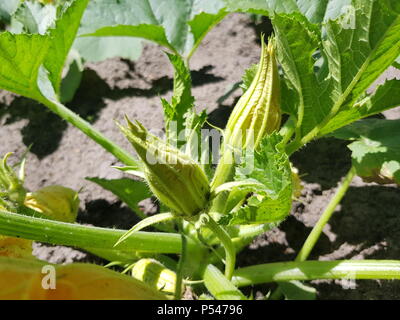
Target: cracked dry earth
x=365, y=226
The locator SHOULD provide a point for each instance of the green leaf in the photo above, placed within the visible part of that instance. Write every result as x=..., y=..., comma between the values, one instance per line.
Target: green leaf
x=182, y=100
x=62, y=38
x=248, y=77
x=35, y=17
x=386, y=97
x=297, y=41
x=20, y=58
x=176, y=24
x=96, y=49
x=264, y=7
x=73, y=75
x=272, y=202
x=350, y=58
x=376, y=151
x=22, y=55
x=129, y=191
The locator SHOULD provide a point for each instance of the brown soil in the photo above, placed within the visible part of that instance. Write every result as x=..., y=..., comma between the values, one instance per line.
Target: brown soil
x=365, y=226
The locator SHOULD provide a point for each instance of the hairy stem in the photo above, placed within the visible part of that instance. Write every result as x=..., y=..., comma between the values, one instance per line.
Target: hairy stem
x=313, y=270
x=230, y=252
x=62, y=233
x=326, y=215
x=73, y=118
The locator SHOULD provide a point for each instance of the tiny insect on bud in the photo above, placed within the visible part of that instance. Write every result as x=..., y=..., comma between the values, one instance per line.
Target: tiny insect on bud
x=57, y=202
x=174, y=178
x=155, y=275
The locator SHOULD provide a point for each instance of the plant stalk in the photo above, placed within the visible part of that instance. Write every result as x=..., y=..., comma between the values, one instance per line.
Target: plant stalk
x=230, y=251
x=77, y=235
x=326, y=215
x=73, y=118
x=313, y=270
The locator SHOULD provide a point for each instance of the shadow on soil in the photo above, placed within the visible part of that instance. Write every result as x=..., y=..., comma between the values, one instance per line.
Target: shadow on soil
x=87, y=102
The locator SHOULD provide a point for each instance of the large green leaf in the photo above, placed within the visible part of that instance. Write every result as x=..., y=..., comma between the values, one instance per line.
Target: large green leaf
x=264, y=7
x=20, y=58
x=271, y=199
x=128, y=190
x=62, y=38
x=96, y=49
x=22, y=55
x=376, y=151
x=316, y=11
x=352, y=57
x=35, y=17
x=386, y=97
x=176, y=24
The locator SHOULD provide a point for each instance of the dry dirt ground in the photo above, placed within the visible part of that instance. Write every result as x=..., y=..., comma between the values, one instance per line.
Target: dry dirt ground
x=365, y=226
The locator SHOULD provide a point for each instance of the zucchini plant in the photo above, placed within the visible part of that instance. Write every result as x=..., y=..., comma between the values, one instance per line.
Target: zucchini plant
x=311, y=81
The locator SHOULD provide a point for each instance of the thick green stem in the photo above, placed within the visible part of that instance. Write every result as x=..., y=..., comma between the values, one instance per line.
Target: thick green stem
x=65, y=113
x=313, y=270
x=56, y=232
x=230, y=252
x=326, y=215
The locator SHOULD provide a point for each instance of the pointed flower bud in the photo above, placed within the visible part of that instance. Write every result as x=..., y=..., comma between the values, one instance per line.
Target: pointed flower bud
x=175, y=178
x=57, y=202
x=258, y=111
x=256, y=114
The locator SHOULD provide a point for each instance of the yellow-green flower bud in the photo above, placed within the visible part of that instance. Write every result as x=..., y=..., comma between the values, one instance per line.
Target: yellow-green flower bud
x=57, y=202
x=155, y=275
x=258, y=111
x=174, y=178
x=256, y=114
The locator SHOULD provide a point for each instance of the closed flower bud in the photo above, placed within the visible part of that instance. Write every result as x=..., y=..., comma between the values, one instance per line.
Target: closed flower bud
x=57, y=202
x=155, y=275
x=256, y=114
x=175, y=178
x=258, y=111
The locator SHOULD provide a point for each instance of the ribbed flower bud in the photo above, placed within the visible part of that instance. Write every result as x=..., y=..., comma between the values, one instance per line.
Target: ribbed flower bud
x=57, y=202
x=256, y=114
x=258, y=111
x=174, y=178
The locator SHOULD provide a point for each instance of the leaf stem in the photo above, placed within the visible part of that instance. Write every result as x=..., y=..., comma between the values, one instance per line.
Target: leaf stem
x=230, y=251
x=69, y=234
x=313, y=270
x=326, y=215
x=90, y=131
